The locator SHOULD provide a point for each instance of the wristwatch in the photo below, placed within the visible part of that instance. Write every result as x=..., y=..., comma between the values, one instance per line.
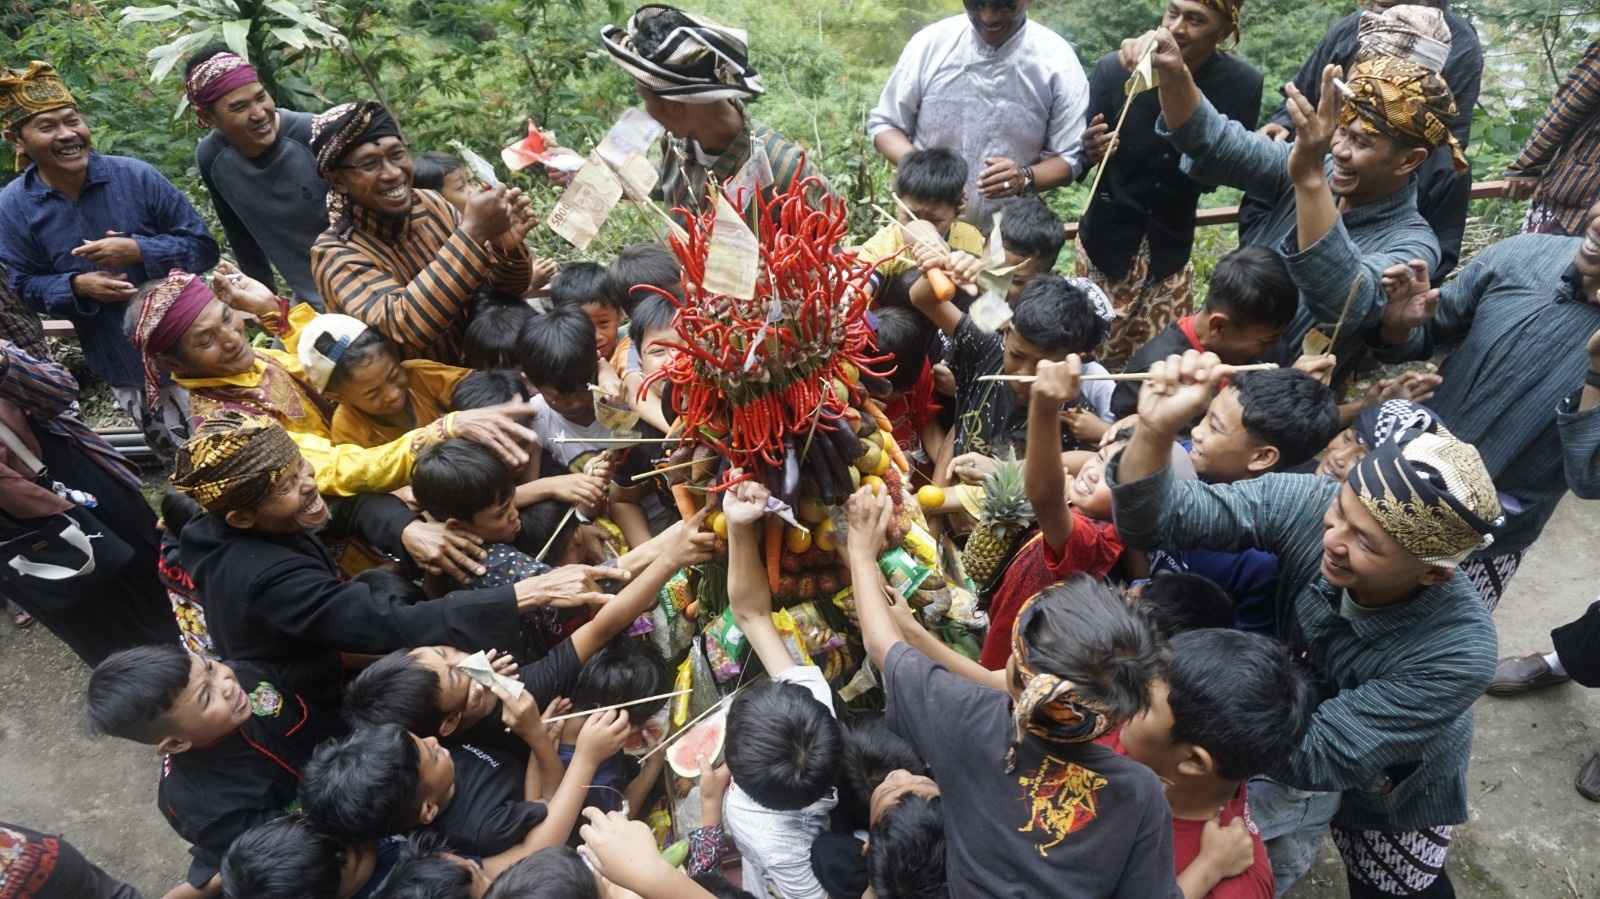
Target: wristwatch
x=1027, y=173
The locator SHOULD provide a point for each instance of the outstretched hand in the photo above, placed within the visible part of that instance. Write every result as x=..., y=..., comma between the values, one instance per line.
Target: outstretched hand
x=1179, y=390
x=1313, y=126
x=744, y=503
x=1410, y=301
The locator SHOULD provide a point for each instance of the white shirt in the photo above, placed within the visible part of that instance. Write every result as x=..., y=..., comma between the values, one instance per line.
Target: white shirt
x=1024, y=100
x=1098, y=393
x=548, y=424
x=776, y=846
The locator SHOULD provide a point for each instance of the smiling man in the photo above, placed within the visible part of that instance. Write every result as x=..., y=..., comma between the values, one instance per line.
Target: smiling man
x=1005, y=93
x=257, y=164
x=404, y=260
x=1370, y=593
x=1344, y=200
x=80, y=230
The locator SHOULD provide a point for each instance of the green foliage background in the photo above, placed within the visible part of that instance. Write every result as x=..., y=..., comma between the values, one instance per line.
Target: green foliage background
x=477, y=69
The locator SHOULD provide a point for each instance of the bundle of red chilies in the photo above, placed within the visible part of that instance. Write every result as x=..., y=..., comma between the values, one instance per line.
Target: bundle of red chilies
x=776, y=395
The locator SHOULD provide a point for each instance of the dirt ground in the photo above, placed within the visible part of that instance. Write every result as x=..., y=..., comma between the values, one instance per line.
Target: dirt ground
x=1530, y=835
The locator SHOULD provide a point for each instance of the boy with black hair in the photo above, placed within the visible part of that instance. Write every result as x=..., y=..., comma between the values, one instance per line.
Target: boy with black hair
x=1053, y=317
x=490, y=341
x=873, y=754
x=425, y=691
x=233, y=738
x=1251, y=300
x=490, y=387
x=1229, y=705
x=428, y=869
x=587, y=286
x=906, y=846
x=932, y=184
x=624, y=669
x=638, y=266
x=1032, y=235
x=288, y=858
x=1263, y=421
x=1178, y=601
x=784, y=743
x=381, y=395
x=913, y=409
x=386, y=780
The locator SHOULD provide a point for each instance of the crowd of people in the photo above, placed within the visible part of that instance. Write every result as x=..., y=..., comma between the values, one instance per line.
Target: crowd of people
x=397, y=626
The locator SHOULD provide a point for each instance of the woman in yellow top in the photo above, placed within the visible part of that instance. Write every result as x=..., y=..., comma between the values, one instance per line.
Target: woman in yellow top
x=381, y=396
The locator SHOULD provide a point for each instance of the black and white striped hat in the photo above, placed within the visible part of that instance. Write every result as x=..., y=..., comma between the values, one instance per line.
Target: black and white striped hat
x=690, y=58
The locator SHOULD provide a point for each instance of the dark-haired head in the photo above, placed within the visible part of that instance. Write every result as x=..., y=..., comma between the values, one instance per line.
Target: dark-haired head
x=1030, y=230
x=201, y=55
x=396, y=689
x=639, y=267
x=1231, y=705
x=466, y=482
x=1082, y=631
x=1058, y=317
x=1251, y=300
x=623, y=670
x=558, y=355
x=582, y=284
x=177, y=510
x=1177, y=601
x=133, y=693
x=285, y=858
x=368, y=785
x=783, y=746
x=490, y=387
x=906, y=335
x=871, y=751
x=1264, y=421
x=555, y=872
x=905, y=852
x=491, y=336
x=933, y=183
x=428, y=170
x=427, y=869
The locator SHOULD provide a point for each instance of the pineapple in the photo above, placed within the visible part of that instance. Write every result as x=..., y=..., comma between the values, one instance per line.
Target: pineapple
x=1006, y=515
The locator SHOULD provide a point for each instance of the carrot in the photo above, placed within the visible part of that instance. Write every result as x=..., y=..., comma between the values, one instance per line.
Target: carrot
x=774, y=547
x=891, y=445
x=944, y=289
x=684, y=497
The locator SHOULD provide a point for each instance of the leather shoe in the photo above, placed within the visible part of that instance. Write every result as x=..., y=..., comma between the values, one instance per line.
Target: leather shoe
x=1589, y=779
x=1521, y=674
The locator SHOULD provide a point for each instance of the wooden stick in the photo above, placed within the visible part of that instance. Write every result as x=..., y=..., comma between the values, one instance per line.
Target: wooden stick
x=620, y=705
x=556, y=533
x=1125, y=376
x=1112, y=146
x=1355, y=288
x=614, y=441
x=661, y=471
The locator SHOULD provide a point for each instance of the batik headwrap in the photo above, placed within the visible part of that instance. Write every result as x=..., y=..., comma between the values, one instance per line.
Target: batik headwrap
x=1050, y=707
x=335, y=133
x=1230, y=10
x=233, y=460
x=696, y=60
x=24, y=93
x=1377, y=425
x=1404, y=102
x=169, y=309
x=1431, y=493
x=217, y=77
x=1416, y=34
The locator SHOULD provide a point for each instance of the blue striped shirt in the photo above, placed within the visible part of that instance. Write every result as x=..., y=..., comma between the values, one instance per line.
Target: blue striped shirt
x=1394, y=729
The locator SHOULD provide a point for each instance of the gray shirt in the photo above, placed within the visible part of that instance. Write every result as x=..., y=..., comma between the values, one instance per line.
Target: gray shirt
x=1024, y=100
x=1365, y=240
x=271, y=207
x=1394, y=729
x=1512, y=384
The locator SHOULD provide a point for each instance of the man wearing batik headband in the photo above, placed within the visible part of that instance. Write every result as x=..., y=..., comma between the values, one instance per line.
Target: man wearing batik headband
x=1032, y=805
x=1344, y=199
x=1135, y=237
x=184, y=328
x=403, y=260
x=79, y=230
x=1369, y=591
x=271, y=590
x=694, y=76
x=258, y=167
x=1437, y=39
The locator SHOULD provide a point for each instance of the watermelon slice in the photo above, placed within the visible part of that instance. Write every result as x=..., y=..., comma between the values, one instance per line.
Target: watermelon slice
x=704, y=738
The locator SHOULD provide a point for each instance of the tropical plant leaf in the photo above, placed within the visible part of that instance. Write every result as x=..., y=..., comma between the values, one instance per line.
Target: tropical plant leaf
x=134, y=14
x=294, y=36
x=236, y=34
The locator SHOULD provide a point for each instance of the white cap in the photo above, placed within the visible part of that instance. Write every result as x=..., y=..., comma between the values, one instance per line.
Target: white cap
x=319, y=365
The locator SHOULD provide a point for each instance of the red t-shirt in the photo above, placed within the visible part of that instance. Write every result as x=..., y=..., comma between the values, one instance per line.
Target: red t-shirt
x=1255, y=882
x=1093, y=549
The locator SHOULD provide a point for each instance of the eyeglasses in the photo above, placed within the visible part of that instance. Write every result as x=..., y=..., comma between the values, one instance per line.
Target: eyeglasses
x=398, y=156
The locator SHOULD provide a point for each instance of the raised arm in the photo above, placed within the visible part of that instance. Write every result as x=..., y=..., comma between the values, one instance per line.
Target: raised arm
x=1575, y=102
x=870, y=515
x=745, y=505
x=688, y=545
x=1056, y=384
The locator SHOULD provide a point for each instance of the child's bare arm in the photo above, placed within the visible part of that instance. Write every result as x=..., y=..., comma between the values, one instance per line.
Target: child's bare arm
x=629, y=516
x=870, y=514
x=689, y=546
x=745, y=505
x=1056, y=383
x=639, y=788
x=211, y=890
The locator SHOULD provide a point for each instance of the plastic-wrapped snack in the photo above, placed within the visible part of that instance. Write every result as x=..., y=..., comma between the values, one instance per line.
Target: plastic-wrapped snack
x=922, y=546
x=866, y=680
x=903, y=572
x=683, y=680
x=674, y=630
x=932, y=599
x=819, y=638
x=792, y=639
x=845, y=601
x=642, y=625
x=660, y=821
x=725, y=647
x=705, y=693
x=964, y=609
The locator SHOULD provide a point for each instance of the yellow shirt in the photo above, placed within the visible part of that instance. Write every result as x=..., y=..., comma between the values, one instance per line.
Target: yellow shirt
x=432, y=384
x=890, y=240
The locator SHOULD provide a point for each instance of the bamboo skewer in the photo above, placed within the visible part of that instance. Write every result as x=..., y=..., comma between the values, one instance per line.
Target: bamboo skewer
x=1355, y=288
x=672, y=738
x=556, y=533
x=670, y=468
x=620, y=705
x=1111, y=148
x=614, y=441
x=1124, y=376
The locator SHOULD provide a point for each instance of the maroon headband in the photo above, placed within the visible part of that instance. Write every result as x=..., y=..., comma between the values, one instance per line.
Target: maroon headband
x=217, y=77
x=179, y=316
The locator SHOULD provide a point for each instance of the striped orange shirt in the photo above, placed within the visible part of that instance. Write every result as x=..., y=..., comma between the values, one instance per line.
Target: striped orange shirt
x=413, y=277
